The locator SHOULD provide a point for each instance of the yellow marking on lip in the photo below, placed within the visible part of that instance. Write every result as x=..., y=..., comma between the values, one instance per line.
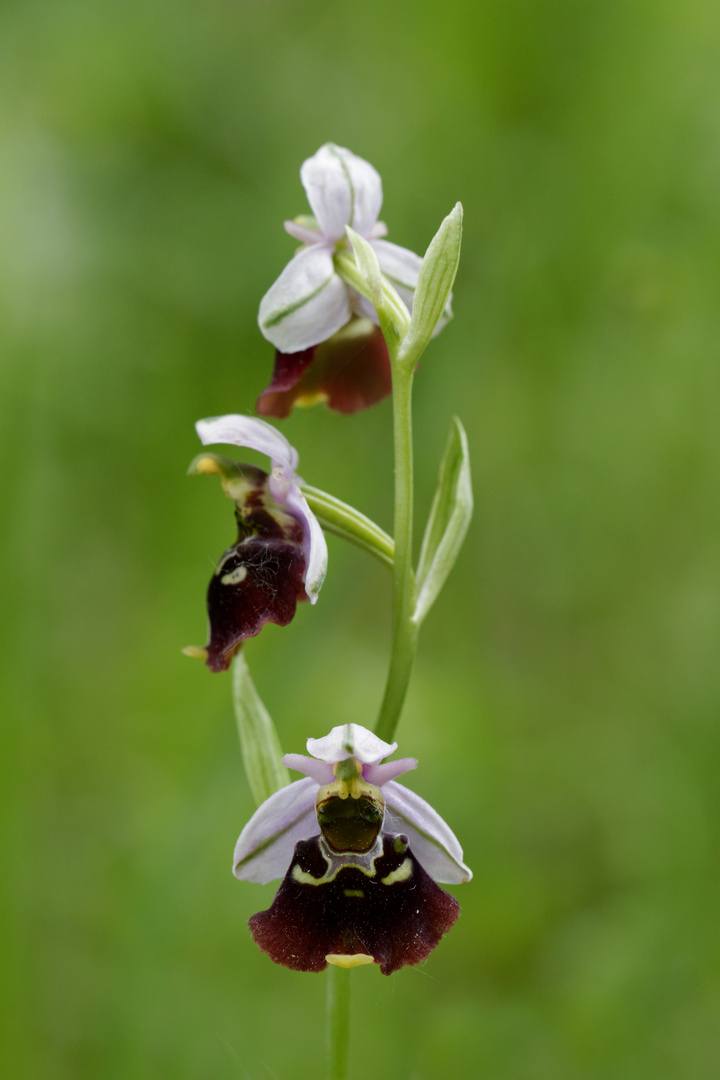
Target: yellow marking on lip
x=403, y=872
x=303, y=878
x=311, y=397
x=354, y=892
x=234, y=577
x=349, y=960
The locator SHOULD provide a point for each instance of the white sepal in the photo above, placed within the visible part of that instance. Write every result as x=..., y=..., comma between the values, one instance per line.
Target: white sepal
x=265, y=847
x=432, y=840
x=250, y=432
x=306, y=305
x=314, y=543
x=342, y=189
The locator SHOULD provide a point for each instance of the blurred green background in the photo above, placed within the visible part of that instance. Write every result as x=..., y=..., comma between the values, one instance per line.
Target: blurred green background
x=565, y=701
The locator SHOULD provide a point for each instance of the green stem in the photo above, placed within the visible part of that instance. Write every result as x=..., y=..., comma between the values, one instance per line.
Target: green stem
x=338, y=1021
x=363, y=273
x=348, y=523
x=404, y=629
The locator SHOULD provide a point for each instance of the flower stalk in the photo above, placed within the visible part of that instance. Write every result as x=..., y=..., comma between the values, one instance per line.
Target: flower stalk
x=338, y=1021
x=346, y=522
x=404, y=629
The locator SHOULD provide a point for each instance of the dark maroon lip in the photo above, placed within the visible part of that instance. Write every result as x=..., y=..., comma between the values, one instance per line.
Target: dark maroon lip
x=347, y=372
x=389, y=909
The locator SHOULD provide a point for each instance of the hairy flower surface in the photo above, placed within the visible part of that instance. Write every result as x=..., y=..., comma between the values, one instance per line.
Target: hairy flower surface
x=329, y=346
x=360, y=855
x=280, y=555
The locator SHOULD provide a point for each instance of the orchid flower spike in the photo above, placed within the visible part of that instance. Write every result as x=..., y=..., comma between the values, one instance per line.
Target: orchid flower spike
x=329, y=345
x=360, y=855
x=280, y=555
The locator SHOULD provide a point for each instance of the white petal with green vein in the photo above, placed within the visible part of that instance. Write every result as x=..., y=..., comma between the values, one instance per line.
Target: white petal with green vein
x=307, y=304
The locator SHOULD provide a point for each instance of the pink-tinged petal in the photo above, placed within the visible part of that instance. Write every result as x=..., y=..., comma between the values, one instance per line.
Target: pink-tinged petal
x=431, y=838
x=279, y=484
x=320, y=771
x=342, y=189
x=304, y=233
x=349, y=372
x=381, y=774
x=265, y=847
x=314, y=543
x=350, y=740
x=248, y=431
x=307, y=304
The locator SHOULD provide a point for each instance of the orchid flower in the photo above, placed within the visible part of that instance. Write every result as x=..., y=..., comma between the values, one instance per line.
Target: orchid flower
x=360, y=855
x=327, y=336
x=280, y=555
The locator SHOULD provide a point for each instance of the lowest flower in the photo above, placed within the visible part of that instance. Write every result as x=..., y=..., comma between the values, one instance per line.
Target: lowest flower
x=360, y=854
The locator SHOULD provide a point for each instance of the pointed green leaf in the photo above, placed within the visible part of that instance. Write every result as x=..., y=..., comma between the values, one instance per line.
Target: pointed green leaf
x=448, y=522
x=435, y=282
x=364, y=274
x=261, y=751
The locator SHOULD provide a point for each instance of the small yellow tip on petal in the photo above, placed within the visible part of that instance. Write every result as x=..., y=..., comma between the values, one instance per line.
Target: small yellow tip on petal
x=195, y=652
x=207, y=466
x=349, y=960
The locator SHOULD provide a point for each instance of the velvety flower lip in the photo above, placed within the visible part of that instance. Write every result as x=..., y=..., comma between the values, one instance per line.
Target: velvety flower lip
x=348, y=372
x=265, y=847
x=283, y=484
x=335, y=908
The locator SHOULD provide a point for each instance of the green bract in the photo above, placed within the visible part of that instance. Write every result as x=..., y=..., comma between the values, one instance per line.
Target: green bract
x=448, y=521
x=345, y=521
x=262, y=754
x=392, y=313
x=435, y=282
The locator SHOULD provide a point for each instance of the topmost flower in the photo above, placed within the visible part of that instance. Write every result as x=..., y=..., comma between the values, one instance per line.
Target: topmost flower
x=311, y=315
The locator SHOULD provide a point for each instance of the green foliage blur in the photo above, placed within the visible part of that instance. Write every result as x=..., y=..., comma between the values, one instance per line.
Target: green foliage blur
x=564, y=706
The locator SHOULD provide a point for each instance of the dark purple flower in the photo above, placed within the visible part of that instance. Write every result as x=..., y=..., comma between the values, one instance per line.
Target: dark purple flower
x=280, y=555
x=354, y=890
